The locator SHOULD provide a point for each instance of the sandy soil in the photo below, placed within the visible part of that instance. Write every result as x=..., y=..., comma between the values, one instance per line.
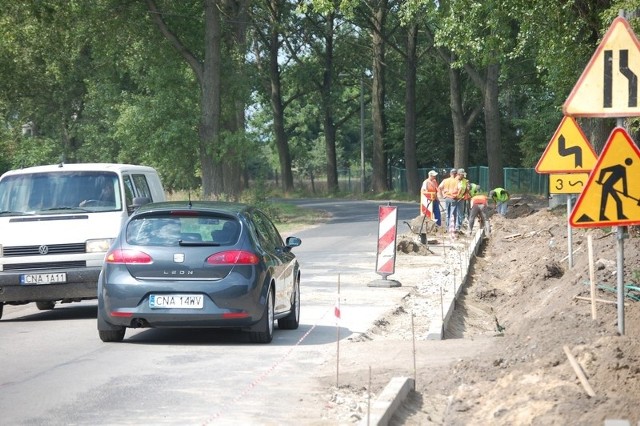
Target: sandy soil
x=504, y=360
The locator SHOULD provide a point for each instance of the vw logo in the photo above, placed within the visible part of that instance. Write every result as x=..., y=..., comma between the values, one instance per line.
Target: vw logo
x=43, y=249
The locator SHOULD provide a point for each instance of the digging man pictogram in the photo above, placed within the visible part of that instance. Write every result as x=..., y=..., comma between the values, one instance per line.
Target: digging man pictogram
x=616, y=173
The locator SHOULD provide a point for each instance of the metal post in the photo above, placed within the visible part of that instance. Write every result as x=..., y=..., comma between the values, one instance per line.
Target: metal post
x=362, y=173
x=620, y=263
x=569, y=233
x=620, y=277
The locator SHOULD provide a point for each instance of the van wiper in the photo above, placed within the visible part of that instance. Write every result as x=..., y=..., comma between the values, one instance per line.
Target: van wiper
x=65, y=208
x=9, y=212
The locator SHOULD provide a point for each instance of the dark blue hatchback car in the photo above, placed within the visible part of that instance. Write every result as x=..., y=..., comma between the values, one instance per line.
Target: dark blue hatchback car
x=199, y=264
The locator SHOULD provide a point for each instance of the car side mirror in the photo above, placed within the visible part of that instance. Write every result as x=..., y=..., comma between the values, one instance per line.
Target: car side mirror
x=138, y=202
x=293, y=242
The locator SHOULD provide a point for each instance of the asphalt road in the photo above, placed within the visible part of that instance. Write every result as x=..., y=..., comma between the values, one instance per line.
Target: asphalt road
x=55, y=370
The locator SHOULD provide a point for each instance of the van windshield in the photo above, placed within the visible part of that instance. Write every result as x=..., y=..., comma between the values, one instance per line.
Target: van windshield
x=52, y=192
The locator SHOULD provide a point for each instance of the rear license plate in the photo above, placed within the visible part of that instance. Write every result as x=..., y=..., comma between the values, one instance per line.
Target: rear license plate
x=179, y=301
x=36, y=279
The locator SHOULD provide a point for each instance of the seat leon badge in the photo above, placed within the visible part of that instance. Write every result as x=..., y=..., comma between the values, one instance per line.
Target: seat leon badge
x=178, y=257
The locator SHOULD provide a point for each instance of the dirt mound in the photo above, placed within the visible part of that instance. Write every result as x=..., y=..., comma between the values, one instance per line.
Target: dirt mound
x=415, y=235
x=526, y=307
x=522, y=281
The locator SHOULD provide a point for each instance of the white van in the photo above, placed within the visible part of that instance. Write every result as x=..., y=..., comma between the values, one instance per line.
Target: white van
x=58, y=221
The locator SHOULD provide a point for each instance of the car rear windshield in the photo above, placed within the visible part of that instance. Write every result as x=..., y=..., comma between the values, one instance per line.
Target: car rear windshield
x=175, y=229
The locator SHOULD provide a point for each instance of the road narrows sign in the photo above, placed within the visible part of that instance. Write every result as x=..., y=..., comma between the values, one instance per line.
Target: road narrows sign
x=608, y=86
x=568, y=150
x=611, y=196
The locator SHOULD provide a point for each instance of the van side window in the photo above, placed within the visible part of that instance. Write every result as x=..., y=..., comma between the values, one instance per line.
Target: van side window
x=128, y=189
x=142, y=187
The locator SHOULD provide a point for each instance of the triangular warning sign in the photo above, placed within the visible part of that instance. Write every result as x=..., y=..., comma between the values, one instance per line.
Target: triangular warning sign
x=608, y=86
x=568, y=150
x=611, y=196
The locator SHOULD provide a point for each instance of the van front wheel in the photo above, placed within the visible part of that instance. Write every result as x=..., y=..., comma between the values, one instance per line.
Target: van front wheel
x=45, y=306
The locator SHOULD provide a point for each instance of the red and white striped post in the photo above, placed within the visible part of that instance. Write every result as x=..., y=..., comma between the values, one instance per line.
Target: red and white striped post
x=386, y=256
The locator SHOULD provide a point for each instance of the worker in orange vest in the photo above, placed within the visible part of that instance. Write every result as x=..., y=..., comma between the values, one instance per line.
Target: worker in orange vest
x=478, y=205
x=463, y=198
x=448, y=189
x=430, y=202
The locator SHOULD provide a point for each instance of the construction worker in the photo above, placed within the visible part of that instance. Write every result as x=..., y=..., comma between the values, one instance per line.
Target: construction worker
x=474, y=188
x=448, y=192
x=500, y=197
x=430, y=201
x=463, y=197
x=478, y=205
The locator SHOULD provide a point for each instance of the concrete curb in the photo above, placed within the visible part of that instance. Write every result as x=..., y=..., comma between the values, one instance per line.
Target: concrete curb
x=389, y=400
x=398, y=388
x=438, y=325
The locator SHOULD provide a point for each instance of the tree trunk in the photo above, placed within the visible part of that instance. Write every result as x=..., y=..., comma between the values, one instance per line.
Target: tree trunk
x=411, y=164
x=236, y=10
x=210, y=99
x=208, y=75
x=492, y=125
x=276, y=102
x=329, y=125
x=460, y=128
x=379, y=161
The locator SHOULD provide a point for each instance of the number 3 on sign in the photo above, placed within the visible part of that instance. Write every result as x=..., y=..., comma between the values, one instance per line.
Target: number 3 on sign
x=567, y=183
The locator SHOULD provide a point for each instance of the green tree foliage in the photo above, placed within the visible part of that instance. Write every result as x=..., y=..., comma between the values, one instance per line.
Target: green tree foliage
x=98, y=81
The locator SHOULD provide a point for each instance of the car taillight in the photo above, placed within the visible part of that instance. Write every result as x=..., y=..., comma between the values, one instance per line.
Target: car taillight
x=127, y=256
x=233, y=257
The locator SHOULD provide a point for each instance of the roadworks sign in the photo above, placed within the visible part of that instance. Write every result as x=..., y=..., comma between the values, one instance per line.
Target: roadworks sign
x=611, y=196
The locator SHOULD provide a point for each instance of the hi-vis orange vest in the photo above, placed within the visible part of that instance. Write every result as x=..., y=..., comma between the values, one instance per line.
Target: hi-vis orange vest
x=450, y=188
x=430, y=189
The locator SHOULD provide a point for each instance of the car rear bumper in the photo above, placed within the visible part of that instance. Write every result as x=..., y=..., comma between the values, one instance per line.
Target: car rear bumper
x=232, y=306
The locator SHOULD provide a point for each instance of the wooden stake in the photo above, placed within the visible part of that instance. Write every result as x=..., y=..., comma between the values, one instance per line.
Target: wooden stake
x=578, y=370
x=509, y=237
x=369, y=400
x=413, y=335
x=592, y=277
x=574, y=252
x=612, y=302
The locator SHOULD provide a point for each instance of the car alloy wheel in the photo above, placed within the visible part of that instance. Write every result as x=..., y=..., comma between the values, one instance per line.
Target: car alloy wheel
x=264, y=333
x=291, y=321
